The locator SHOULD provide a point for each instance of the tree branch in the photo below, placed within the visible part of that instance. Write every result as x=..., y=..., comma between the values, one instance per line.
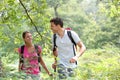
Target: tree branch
x=30, y=17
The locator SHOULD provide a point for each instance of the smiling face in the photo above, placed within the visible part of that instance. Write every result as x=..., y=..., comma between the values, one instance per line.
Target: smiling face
x=56, y=24
x=27, y=37
x=54, y=27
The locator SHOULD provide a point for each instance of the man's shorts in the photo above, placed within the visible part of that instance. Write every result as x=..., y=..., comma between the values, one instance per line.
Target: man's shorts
x=64, y=72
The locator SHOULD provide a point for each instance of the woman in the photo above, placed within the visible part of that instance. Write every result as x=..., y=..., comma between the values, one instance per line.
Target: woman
x=30, y=63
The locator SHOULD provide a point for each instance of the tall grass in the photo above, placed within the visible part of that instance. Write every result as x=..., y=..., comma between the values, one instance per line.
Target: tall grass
x=94, y=64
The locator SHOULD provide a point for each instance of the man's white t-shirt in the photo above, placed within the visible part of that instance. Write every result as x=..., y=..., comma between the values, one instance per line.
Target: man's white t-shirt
x=65, y=49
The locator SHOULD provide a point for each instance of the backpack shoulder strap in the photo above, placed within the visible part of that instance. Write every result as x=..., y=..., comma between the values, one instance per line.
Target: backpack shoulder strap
x=70, y=36
x=36, y=48
x=54, y=42
x=72, y=40
x=21, y=58
x=22, y=49
x=22, y=52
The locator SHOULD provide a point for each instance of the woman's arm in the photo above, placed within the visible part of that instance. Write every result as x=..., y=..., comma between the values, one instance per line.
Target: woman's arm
x=44, y=66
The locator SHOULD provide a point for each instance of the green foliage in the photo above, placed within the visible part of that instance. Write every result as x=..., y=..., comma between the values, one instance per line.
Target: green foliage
x=95, y=28
x=53, y=4
x=99, y=64
x=14, y=21
x=95, y=21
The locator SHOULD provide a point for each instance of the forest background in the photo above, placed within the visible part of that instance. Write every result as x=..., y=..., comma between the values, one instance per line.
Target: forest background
x=97, y=22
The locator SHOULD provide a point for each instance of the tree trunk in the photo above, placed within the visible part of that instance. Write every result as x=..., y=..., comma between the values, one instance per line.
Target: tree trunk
x=55, y=9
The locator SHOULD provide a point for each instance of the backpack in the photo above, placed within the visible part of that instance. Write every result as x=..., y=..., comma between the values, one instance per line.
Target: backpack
x=70, y=37
x=21, y=59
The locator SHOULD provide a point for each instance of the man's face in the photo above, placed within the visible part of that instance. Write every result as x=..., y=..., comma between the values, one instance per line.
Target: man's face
x=54, y=27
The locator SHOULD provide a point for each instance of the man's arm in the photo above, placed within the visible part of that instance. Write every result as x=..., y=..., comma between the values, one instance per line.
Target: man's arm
x=82, y=48
x=81, y=51
x=55, y=54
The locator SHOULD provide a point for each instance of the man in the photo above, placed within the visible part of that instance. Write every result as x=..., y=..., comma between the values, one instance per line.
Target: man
x=63, y=49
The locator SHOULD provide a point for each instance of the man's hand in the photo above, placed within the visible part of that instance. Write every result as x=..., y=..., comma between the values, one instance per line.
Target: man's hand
x=74, y=59
x=54, y=65
x=55, y=53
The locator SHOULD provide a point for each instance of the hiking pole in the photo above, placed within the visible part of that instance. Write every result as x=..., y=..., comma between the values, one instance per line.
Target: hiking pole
x=55, y=70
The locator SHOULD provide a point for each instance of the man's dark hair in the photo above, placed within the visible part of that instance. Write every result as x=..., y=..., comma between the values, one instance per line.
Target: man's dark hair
x=57, y=21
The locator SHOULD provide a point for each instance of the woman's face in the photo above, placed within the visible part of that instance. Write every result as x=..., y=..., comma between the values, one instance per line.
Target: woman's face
x=28, y=38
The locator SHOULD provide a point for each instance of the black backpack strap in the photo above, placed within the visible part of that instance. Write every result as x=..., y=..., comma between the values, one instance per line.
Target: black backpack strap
x=72, y=40
x=36, y=48
x=70, y=36
x=54, y=42
x=54, y=46
x=21, y=58
x=21, y=55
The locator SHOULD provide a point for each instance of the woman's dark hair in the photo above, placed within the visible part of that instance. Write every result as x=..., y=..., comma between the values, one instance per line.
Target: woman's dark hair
x=57, y=21
x=24, y=33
